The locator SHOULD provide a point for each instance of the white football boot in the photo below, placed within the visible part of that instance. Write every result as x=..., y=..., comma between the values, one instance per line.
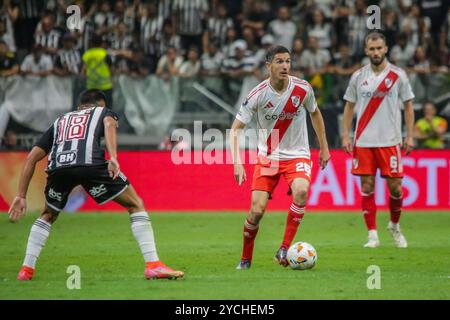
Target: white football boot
x=373, y=240
x=394, y=229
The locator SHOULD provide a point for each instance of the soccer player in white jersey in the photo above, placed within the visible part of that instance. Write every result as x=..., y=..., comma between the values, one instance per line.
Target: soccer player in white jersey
x=280, y=105
x=376, y=92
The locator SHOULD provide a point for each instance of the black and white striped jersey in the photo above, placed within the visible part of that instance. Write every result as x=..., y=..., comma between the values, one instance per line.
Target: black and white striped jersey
x=48, y=40
x=190, y=16
x=74, y=139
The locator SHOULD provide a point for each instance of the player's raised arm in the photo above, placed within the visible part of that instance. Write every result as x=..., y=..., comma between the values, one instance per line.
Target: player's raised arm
x=408, y=144
x=319, y=128
x=347, y=125
x=19, y=205
x=111, y=145
x=239, y=171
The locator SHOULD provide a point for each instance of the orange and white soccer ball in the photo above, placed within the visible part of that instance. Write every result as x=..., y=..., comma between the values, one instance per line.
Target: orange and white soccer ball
x=302, y=256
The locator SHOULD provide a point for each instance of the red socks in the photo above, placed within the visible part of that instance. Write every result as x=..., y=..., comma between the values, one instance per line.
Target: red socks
x=250, y=231
x=395, y=206
x=293, y=219
x=369, y=209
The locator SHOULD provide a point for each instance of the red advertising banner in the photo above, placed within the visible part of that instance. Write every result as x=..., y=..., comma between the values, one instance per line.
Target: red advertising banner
x=202, y=181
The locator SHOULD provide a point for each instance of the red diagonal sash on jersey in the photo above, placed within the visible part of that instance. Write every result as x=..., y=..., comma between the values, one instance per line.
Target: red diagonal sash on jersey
x=283, y=124
x=376, y=101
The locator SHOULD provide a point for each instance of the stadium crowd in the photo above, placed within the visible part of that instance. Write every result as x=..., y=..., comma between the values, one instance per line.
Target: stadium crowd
x=191, y=38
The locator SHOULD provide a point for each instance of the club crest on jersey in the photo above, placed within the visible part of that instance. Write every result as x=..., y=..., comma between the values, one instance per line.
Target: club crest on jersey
x=295, y=101
x=388, y=83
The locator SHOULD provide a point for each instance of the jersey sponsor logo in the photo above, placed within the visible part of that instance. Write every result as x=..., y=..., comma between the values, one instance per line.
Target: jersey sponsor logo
x=282, y=116
x=295, y=101
x=55, y=195
x=377, y=94
x=66, y=157
x=98, y=191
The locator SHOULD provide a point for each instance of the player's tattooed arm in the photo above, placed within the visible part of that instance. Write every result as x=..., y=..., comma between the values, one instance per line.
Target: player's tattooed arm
x=346, y=126
x=111, y=145
x=239, y=171
x=19, y=204
x=319, y=128
x=408, y=144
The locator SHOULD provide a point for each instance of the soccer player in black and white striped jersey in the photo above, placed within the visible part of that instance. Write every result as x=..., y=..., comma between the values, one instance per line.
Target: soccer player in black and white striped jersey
x=75, y=157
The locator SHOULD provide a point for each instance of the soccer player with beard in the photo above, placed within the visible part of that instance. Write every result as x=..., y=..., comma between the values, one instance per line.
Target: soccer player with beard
x=280, y=105
x=376, y=92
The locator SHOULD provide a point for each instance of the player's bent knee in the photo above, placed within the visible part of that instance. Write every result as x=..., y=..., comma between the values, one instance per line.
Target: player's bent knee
x=300, y=195
x=367, y=188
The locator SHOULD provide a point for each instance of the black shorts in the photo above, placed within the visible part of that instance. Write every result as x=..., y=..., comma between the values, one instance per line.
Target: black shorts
x=94, y=179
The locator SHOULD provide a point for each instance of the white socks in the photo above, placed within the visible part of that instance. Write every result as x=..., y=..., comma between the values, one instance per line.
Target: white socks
x=36, y=241
x=143, y=232
x=373, y=234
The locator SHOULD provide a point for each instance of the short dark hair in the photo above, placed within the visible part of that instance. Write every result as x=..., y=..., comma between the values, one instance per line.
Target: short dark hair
x=375, y=35
x=272, y=51
x=92, y=96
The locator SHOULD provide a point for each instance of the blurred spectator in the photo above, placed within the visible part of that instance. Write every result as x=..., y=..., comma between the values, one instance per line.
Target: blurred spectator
x=169, y=39
x=230, y=38
x=323, y=31
x=410, y=24
x=296, y=58
x=169, y=64
x=139, y=65
x=104, y=20
x=29, y=15
x=121, y=39
x=165, y=9
x=68, y=59
x=283, y=29
x=211, y=60
x=236, y=67
x=8, y=62
x=151, y=25
x=219, y=24
x=430, y=129
x=266, y=42
x=47, y=35
x=9, y=140
x=357, y=29
x=257, y=17
x=191, y=67
x=241, y=64
x=343, y=63
x=402, y=52
x=37, y=63
x=444, y=42
x=249, y=37
x=390, y=27
x=314, y=60
x=190, y=21
x=97, y=68
x=436, y=11
x=419, y=63
x=9, y=13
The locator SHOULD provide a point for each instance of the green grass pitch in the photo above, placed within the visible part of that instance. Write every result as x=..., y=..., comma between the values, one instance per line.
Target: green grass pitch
x=207, y=247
